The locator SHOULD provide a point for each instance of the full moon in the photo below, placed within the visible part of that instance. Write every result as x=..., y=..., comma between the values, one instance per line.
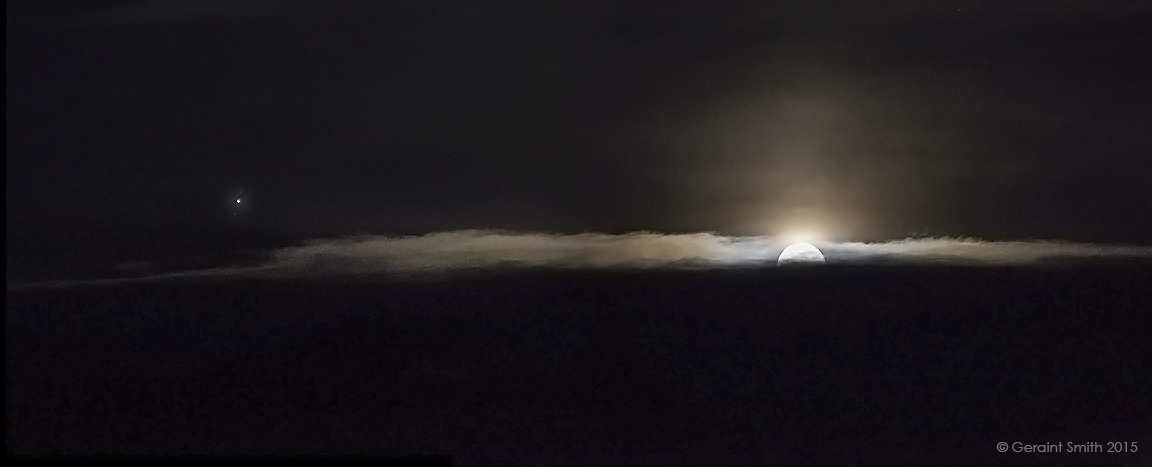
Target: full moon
x=801, y=253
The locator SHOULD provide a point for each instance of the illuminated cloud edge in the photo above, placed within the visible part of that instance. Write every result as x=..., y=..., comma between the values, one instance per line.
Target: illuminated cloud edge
x=444, y=252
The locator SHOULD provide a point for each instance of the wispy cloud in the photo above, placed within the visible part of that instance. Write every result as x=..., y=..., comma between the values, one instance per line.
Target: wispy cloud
x=977, y=252
x=483, y=249
x=474, y=249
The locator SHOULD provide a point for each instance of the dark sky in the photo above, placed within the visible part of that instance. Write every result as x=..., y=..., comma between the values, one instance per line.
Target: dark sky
x=866, y=120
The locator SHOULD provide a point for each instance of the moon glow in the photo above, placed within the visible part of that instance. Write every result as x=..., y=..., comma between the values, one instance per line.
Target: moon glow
x=800, y=253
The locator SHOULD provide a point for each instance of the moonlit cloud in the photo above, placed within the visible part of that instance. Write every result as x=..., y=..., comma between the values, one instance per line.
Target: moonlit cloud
x=462, y=250
x=459, y=251
x=977, y=252
x=484, y=249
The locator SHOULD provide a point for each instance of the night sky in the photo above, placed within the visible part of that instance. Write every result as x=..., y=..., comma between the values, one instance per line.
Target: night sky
x=594, y=232
x=139, y=123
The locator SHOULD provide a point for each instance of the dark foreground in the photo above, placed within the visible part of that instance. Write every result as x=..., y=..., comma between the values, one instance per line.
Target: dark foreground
x=856, y=366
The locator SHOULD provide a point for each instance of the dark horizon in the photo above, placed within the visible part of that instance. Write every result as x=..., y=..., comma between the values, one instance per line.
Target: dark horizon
x=823, y=366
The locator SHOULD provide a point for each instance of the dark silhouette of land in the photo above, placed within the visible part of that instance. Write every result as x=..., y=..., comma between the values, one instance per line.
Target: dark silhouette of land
x=831, y=365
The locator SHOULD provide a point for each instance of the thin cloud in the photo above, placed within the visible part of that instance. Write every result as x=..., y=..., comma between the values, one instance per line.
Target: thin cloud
x=454, y=251
x=978, y=252
x=461, y=250
x=484, y=249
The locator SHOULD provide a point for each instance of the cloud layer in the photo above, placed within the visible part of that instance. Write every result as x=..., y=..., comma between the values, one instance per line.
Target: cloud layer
x=455, y=251
x=460, y=250
x=978, y=252
x=484, y=249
